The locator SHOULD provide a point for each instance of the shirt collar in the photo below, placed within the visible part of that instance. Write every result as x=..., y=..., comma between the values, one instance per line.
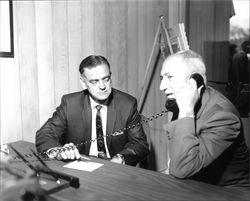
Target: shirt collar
x=93, y=104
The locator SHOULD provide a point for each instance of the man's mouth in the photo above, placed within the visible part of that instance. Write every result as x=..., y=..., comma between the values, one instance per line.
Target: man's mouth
x=102, y=93
x=170, y=95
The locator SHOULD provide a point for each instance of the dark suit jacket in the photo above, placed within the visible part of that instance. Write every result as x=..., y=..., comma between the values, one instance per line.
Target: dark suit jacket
x=211, y=147
x=71, y=122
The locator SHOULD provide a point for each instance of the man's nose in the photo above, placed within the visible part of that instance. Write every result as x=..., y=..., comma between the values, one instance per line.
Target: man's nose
x=163, y=85
x=101, y=84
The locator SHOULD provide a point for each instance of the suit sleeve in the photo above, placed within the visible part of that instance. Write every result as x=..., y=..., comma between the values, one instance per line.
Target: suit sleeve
x=190, y=151
x=51, y=133
x=137, y=147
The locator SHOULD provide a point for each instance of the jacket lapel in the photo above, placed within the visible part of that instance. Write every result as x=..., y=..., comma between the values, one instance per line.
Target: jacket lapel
x=111, y=117
x=87, y=121
x=204, y=101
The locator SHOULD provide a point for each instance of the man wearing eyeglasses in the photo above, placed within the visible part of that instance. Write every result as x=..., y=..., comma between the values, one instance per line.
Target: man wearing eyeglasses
x=92, y=121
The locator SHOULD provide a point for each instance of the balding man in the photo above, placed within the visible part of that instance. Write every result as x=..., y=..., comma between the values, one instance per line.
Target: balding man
x=206, y=140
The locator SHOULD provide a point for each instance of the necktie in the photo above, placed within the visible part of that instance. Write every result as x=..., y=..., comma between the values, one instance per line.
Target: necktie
x=99, y=134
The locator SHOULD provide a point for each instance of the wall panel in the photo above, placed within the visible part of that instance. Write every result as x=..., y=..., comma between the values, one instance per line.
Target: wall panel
x=45, y=71
x=212, y=40
x=116, y=42
x=60, y=48
x=74, y=43
x=132, y=41
x=87, y=25
x=100, y=27
x=10, y=117
x=28, y=69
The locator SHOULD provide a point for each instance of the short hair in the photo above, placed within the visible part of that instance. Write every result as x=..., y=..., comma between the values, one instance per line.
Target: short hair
x=191, y=58
x=93, y=61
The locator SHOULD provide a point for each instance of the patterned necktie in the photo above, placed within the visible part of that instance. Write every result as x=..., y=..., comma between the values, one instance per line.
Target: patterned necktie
x=99, y=134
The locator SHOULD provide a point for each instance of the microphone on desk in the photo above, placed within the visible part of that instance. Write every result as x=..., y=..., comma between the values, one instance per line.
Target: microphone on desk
x=33, y=167
x=73, y=181
x=23, y=159
x=45, y=165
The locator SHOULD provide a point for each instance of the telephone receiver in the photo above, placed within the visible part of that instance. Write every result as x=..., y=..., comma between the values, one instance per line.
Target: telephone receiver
x=171, y=104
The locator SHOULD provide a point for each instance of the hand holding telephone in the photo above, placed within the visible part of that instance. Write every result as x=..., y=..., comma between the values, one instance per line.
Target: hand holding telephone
x=199, y=79
x=171, y=104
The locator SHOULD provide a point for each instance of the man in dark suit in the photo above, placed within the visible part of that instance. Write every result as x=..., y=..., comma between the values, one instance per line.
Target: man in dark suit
x=72, y=131
x=206, y=141
x=238, y=90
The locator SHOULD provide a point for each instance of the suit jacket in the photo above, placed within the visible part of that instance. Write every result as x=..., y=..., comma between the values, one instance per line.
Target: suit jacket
x=71, y=122
x=210, y=147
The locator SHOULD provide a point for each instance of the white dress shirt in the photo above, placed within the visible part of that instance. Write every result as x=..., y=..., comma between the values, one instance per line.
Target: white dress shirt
x=104, y=110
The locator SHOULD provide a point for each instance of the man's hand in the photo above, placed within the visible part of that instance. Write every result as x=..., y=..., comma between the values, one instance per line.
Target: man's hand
x=118, y=158
x=187, y=97
x=68, y=151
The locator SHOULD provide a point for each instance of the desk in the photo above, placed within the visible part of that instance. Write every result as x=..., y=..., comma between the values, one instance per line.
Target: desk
x=121, y=182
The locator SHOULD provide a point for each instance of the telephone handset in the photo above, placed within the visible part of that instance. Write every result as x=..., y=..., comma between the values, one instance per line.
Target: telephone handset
x=199, y=79
x=171, y=104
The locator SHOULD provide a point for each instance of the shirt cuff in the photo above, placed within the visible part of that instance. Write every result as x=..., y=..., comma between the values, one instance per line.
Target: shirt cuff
x=49, y=151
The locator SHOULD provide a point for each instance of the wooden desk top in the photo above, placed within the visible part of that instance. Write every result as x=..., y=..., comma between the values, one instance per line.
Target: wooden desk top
x=121, y=182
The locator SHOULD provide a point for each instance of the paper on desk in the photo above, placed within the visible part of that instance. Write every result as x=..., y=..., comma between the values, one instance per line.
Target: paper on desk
x=85, y=166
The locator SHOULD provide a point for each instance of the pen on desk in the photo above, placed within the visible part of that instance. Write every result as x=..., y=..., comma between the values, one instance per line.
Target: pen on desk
x=81, y=159
x=84, y=158
x=46, y=166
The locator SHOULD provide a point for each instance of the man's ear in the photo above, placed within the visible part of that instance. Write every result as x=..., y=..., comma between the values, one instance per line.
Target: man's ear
x=82, y=82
